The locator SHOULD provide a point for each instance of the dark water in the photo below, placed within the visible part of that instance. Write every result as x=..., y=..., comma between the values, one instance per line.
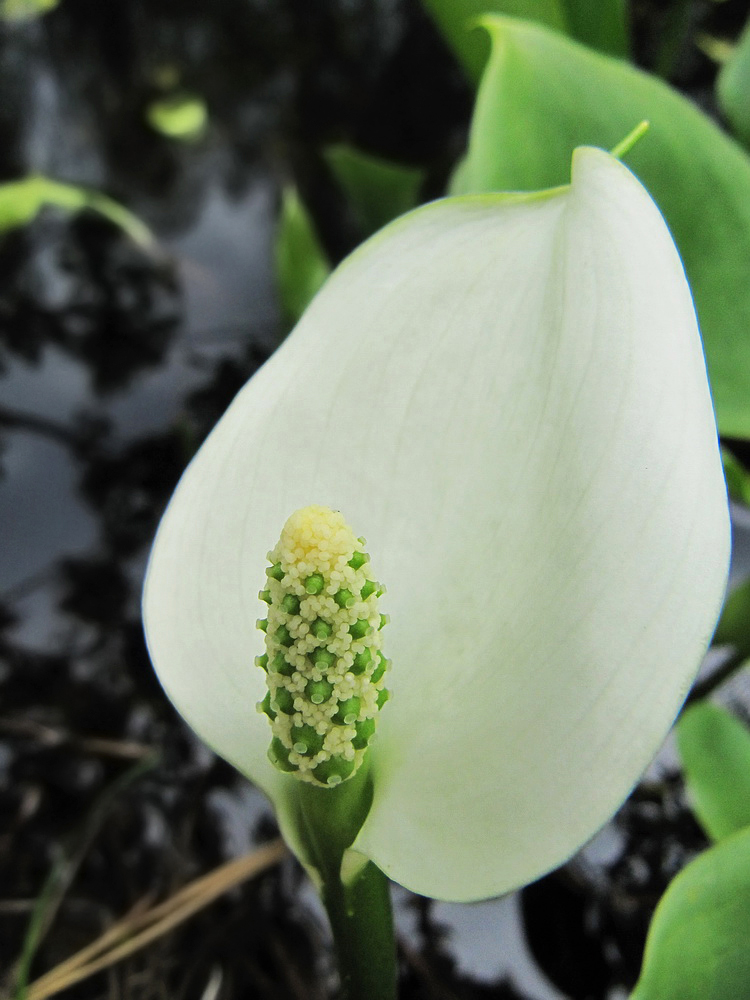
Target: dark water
x=115, y=364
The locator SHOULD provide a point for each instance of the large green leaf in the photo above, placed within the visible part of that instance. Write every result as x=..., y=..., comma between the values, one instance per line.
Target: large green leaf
x=543, y=94
x=377, y=189
x=456, y=19
x=715, y=751
x=602, y=24
x=697, y=947
x=733, y=88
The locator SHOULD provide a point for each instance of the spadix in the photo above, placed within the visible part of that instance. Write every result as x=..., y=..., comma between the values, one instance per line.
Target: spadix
x=324, y=665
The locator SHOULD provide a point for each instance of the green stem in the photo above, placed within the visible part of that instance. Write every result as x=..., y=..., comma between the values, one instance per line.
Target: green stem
x=703, y=688
x=358, y=904
x=624, y=147
x=362, y=925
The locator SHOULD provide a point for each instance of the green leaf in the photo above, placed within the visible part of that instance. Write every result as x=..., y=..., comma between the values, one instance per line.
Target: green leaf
x=734, y=625
x=737, y=477
x=457, y=19
x=182, y=117
x=22, y=200
x=377, y=189
x=733, y=88
x=697, y=946
x=600, y=24
x=715, y=751
x=490, y=389
x=543, y=94
x=301, y=262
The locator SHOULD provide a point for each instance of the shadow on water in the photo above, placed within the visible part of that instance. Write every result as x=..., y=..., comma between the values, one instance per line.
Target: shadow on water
x=114, y=365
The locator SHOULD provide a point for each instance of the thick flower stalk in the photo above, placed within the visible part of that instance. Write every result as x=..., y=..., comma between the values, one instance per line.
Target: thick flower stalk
x=324, y=665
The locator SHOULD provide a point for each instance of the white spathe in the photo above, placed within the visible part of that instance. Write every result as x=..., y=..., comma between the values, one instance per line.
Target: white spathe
x=506, y=395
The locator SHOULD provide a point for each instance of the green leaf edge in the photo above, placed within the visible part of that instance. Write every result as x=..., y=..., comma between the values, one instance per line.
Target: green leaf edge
x=715, y=749
x=666, y=924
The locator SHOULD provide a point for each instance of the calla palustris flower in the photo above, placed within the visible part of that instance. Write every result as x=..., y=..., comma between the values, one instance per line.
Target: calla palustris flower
x=506, y=395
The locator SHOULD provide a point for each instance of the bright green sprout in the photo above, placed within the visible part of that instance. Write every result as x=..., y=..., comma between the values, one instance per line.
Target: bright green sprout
x=323, y=660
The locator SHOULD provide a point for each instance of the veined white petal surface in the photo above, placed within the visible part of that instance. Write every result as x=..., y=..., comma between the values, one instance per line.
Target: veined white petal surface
x=507, y=396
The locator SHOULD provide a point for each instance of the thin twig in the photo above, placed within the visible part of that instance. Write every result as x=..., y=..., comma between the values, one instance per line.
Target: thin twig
x=32, y=422
x=703, y=688
x=50, y=736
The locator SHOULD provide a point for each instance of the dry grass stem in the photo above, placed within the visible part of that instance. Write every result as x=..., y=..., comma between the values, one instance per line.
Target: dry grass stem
x=141, y=927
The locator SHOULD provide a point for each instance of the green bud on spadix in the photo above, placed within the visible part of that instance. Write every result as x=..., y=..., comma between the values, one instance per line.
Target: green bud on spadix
x=324, y=666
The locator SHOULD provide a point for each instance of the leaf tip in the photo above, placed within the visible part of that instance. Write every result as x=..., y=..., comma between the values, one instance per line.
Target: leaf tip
x=624, y=147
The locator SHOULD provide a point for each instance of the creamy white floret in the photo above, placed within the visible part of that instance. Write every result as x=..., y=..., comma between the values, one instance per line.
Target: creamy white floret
x=324, y=631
